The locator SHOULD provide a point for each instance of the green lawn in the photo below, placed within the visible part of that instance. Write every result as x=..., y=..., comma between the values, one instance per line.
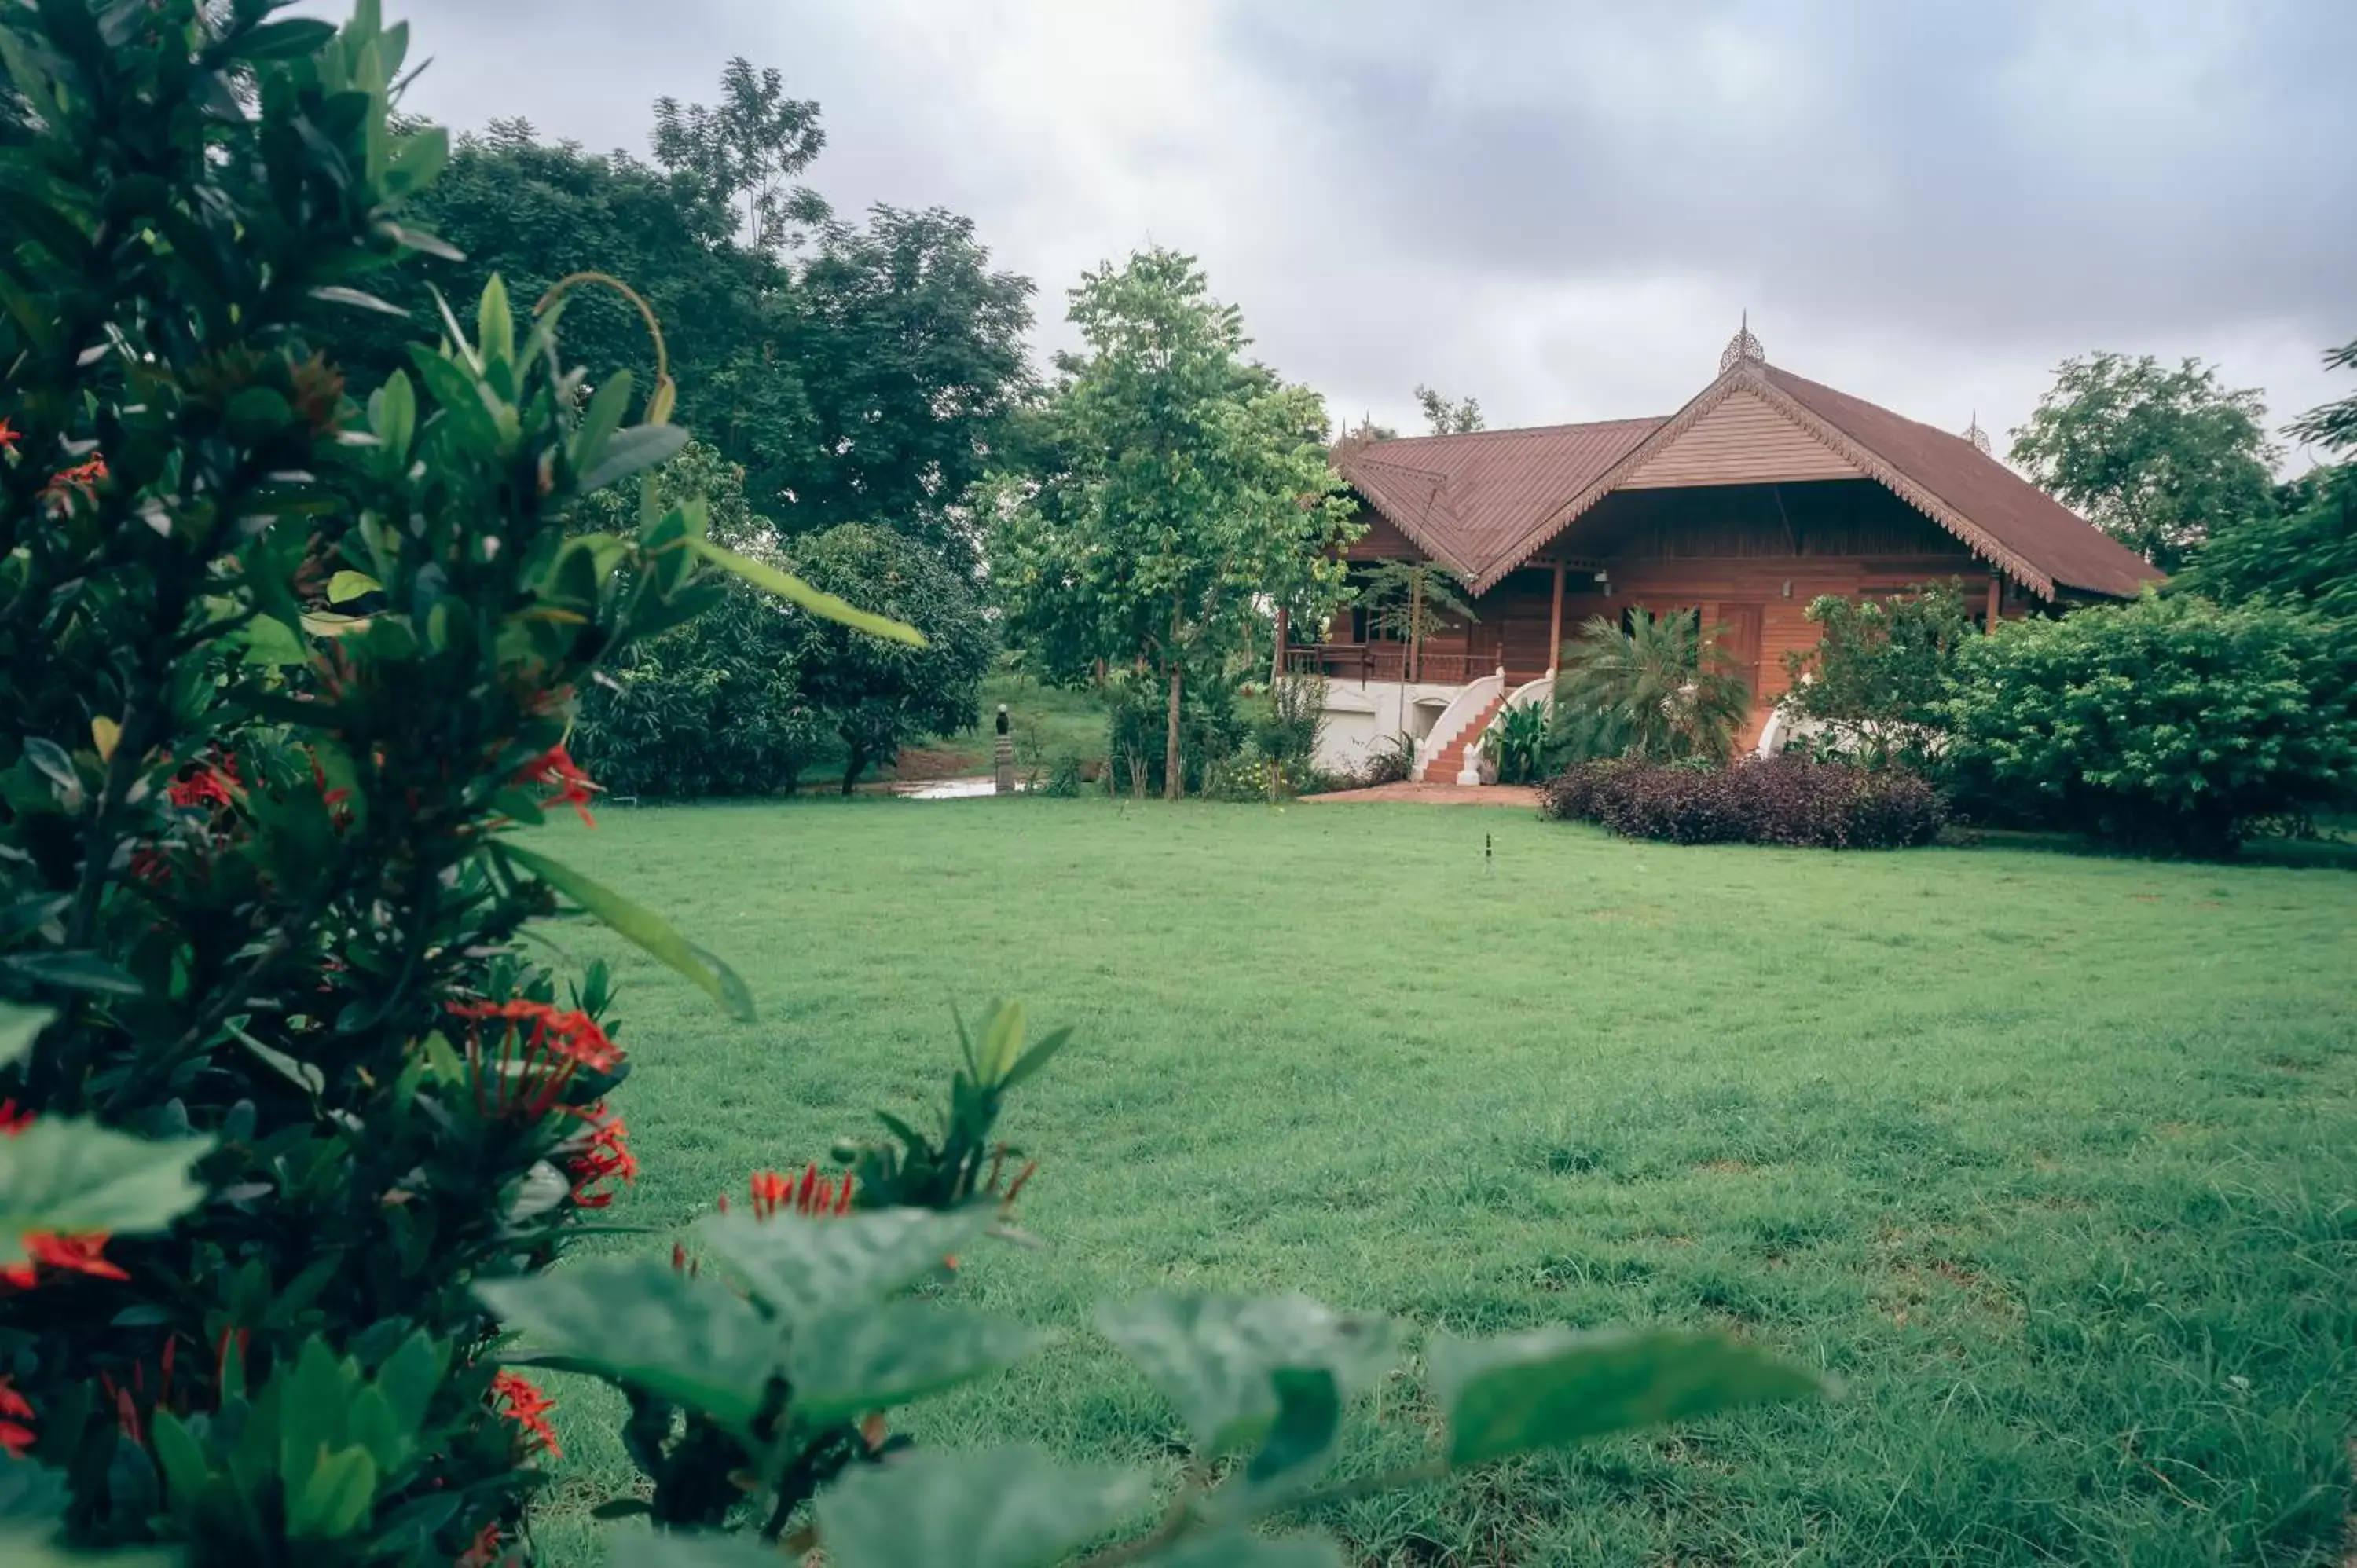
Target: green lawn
x=2053, y=1160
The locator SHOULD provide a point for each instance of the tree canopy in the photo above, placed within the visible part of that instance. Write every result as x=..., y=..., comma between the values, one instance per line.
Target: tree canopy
x=1461, y=417
x=856, y=371
x=2155, y=457
x=2303, y=550
x=1190, y=495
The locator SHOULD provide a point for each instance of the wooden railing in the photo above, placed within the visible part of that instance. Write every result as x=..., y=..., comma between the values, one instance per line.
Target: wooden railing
x=1386, y=661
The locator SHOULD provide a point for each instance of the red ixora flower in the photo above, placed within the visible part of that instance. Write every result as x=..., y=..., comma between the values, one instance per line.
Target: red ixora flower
x=814, y=1196
x=555, y=768
x=205, y=784
x=15, y=1435
x=12, y=1120
x=514, y=1398
x=81, y=479
x=8, y=436
x=84, y=1253
x=482, y=1551
x=603, y=1154
x=541, y=1048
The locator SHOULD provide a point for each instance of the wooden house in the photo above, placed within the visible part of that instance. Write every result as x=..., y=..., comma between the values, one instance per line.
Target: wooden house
x=1763, y=493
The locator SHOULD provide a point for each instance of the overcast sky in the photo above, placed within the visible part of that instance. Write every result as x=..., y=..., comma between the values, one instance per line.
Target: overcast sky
x=1563, y=209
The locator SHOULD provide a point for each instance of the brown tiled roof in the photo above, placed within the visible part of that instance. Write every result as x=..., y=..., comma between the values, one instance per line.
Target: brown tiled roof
x=1467, y=498
x=1481, y=504
x=2022, y=518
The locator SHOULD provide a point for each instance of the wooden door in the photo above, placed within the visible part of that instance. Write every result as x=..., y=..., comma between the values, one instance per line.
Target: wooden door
x=1739, y=626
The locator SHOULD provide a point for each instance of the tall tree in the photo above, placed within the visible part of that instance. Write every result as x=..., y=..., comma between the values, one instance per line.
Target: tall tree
x=1193, y=499
x=862, y=378
x=2304, y=549
x=2154, y=456
x=1460, y=418
x=748, y=146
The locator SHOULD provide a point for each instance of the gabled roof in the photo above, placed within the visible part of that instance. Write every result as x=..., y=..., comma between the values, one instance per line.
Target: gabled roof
x=1481, y=504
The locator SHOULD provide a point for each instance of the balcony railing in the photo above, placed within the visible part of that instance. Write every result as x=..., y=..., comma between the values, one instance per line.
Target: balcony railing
x=1386, y=661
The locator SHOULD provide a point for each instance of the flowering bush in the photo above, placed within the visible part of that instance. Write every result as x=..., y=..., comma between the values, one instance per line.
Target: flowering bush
x=1785, y=799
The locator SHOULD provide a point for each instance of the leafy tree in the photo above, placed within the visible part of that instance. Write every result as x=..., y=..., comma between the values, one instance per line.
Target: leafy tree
x=1878, y=673
x=2156, y=457
x=2304, y=549
x=880, y=694
x=1412, y=602
x=1193, y=496
x=749, y=145
x=1658, y=692
x=715, y=706
x=865, y=381
x=2170, y=723
x=1460, y=418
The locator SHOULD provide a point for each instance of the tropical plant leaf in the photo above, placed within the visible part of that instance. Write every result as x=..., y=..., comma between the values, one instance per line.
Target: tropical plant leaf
x=804, y=1269
x=1214, y=1356
x=872, y=1357
x=639, y=446
x=639, y=924
x=70, y=1177
x=1553, y=1387
x=19, y=1028
x=1001, y=1508
x=786, y=586
x=693, y=1341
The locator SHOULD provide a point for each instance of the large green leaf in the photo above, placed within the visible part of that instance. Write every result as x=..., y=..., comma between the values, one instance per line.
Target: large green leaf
x=1553, y=1387
x=1214, y=1356
x=690, y=1341
x=639, y=446
x=638, y=924
x=1235, y=1549
x=786, y=586
x=1001, y=1508
x=872, y=1357
x=19, y=1028
x=70, y=1177
x=804, y=1269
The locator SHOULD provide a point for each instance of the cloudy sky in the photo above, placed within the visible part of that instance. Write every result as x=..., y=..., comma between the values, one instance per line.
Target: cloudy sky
x=1563, y=209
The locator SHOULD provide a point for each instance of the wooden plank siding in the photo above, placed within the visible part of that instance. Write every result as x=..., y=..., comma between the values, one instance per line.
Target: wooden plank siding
x=1742, y=440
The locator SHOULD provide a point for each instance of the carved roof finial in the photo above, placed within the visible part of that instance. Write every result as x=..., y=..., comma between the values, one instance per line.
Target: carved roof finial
x=1976, y=435
x=1742, y=346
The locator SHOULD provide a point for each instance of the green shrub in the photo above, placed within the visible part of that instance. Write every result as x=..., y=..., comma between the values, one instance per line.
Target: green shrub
x=1880, y=672
x=1770, y=800
x=1660, y=690
x=1516, y=741
x=2169, y=724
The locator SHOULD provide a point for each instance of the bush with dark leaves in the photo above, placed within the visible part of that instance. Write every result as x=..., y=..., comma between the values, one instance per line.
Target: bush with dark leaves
x=1780, y=799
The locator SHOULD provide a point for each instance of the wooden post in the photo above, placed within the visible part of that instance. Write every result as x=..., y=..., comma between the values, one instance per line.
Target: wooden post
x=1554, y=624
x=1996, y=586
x=1276, y=668
x=1415, y=626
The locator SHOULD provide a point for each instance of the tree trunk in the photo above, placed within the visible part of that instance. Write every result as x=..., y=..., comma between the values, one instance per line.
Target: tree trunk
x=1173, y=772
x=851, y=770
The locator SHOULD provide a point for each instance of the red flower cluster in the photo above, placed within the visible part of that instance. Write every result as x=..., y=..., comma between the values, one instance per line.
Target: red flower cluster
x=202, y=784
x=15, y=1436
x=555, y=768
x=82, y=479
x=814, y=1196
x=83, y=1254
x=515, y=1399
x=603, y=1154
x=8, y=436
x=482, y=1551
x=540, y=1049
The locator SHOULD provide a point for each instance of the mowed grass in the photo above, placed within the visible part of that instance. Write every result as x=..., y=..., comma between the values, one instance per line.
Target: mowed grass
x=2050, y=1160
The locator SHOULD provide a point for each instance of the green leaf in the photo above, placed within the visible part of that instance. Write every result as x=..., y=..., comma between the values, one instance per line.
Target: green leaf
x=70, y=1177
x=19, y=1028
x=640, y=925
x=1308, y=1423
x=804, y=1269
x=1037, y=1057
x=1002, y=1508
x=1553, y=1387
x=347, y=586
x=270, y=641
x=639, y=446
x=290, y=39
x=302, y=1074
x=1002, y=1043
x=786, y=586
x=1215, y=1357
x=693, y=1341
x=872, y=1357
x=334, y=1499
x=1236, y=1549
x=601, y=419
x=494, y=325
x=73, y=970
